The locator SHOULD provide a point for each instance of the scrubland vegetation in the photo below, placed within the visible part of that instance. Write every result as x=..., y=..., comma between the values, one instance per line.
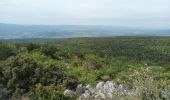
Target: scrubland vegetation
x=43, y=69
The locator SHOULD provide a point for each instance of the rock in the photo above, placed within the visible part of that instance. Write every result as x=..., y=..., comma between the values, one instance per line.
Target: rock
x=105, y=77
x=90, y=89
x=103, y=91
x=100, y=96
x=69, y=93
x=110, y=95
x=88, y=86
x=80, y=88
x=85, y=96
x=99, y=85
x=109, y=86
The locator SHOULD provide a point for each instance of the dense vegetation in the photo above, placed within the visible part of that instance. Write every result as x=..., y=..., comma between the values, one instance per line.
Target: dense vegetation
x=41, y=70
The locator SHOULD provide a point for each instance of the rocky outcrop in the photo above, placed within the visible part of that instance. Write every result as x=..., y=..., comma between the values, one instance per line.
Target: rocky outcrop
x=102, y=91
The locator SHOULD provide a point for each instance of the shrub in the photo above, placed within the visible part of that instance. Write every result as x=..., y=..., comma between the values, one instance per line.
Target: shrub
x=144, y=86
x=7, y=50
x=50, y=92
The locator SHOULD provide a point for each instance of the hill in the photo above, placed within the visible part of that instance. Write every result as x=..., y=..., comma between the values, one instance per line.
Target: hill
x=14, y=31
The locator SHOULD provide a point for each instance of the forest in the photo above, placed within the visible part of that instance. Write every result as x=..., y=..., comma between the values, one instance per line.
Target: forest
x=42, y=69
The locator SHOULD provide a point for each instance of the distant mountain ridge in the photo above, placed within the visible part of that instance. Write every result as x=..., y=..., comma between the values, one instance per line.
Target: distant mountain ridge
x=14, y=31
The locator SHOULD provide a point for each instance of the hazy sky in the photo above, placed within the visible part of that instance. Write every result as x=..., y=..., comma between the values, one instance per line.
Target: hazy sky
x=138, y=13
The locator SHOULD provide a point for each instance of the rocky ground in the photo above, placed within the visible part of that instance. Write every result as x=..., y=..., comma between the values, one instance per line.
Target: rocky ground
x=103, y=90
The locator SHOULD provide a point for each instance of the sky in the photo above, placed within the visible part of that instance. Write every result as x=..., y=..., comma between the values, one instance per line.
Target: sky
x=133, y=13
